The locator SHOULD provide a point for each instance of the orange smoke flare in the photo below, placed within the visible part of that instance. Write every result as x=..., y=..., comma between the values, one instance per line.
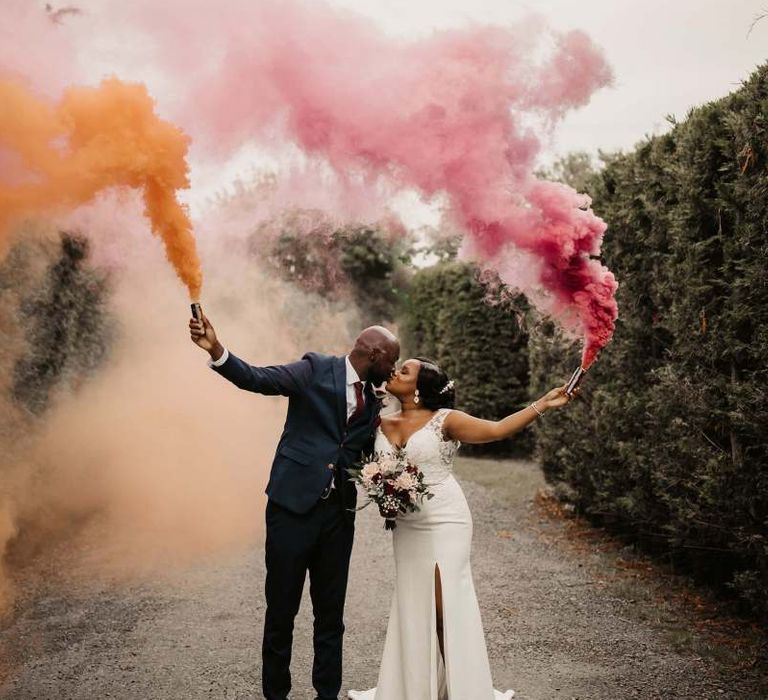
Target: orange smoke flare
x=60, y=156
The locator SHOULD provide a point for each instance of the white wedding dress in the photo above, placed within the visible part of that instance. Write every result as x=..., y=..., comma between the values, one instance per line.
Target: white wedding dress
x=439, y=535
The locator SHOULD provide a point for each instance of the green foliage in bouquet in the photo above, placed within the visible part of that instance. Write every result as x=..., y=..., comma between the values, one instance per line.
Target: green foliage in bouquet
x=481, y=345
x=671, y=443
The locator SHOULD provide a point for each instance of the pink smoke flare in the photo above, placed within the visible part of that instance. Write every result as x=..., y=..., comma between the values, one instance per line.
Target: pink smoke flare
x=449, y=114
x=443, y=114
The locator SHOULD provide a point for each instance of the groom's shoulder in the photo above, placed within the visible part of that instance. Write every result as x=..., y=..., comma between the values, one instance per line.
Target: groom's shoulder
x=318, y=359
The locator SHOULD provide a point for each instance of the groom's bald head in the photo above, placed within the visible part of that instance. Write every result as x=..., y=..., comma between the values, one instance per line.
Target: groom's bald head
x=375, y=354
x=377, y=337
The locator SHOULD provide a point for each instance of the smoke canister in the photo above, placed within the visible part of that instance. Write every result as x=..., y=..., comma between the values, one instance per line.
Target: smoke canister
x=575, y=380
x=197, y=311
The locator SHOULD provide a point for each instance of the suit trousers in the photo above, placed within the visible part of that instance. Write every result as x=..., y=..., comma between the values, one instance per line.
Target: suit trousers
x=318, y=542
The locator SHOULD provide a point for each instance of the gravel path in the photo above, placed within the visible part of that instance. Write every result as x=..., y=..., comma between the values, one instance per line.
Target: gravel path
x=558, y=623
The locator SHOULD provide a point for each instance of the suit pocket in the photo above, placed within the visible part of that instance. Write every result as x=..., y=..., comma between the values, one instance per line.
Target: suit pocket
x=309, y=456
x=298, y=455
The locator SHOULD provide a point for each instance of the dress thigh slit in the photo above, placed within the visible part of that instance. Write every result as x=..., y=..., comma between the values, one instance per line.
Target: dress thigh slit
x=440, y=664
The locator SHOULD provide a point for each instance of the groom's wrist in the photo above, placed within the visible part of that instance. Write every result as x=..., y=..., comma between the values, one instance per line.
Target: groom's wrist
x=216, y=351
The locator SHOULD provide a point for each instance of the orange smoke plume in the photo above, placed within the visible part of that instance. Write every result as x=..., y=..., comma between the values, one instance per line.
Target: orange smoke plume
x=59, y=156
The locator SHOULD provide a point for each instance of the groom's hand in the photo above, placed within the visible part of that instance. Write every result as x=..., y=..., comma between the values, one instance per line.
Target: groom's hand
x=204, y=336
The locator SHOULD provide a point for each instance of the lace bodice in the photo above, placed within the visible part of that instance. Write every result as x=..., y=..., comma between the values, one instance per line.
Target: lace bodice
x=427, y=448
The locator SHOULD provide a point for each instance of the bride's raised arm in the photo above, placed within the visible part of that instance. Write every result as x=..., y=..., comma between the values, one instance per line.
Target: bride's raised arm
x=461, y=426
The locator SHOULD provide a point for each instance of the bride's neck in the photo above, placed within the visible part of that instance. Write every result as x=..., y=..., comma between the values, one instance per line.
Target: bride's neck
x=409, y=406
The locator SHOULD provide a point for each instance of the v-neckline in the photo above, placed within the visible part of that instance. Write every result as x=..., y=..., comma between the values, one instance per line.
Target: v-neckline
x=410, y=437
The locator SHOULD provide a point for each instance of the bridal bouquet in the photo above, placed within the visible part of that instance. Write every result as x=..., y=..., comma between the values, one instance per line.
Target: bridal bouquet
x=394, y=484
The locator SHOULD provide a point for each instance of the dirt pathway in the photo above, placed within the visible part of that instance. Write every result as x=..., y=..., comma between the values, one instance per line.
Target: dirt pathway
x=559, y=622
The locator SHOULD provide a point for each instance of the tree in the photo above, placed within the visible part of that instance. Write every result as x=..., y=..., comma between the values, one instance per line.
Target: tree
x=365, y=263
x=68, y=329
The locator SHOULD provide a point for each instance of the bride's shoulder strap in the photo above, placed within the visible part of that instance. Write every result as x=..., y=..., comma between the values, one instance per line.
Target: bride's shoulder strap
x=440, y=419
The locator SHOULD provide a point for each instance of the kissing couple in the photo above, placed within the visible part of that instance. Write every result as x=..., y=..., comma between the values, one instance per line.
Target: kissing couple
x=435, y=646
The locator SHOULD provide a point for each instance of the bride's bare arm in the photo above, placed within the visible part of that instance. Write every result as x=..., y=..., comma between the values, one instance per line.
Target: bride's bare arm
x=461, y=426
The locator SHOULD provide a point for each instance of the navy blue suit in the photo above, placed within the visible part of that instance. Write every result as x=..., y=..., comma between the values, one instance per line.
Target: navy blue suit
x=308, y=527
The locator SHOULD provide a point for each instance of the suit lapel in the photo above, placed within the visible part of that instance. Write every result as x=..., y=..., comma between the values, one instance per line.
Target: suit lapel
x=340, y=378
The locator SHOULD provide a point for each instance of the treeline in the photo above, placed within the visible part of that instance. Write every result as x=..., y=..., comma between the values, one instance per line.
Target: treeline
x=670, y=444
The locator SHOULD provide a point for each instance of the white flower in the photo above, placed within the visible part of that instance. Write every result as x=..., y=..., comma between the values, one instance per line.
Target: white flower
x=405, y=482
x=388, y=465
x=370, y=470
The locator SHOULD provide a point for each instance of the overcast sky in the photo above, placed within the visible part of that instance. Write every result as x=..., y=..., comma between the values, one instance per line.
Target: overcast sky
x=667, y=55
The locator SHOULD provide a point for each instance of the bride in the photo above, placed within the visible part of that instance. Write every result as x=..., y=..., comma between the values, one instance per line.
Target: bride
x=435, y=646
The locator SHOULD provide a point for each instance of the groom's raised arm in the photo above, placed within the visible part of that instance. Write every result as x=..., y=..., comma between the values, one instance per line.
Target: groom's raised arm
x=285, y=380
x=273, y=380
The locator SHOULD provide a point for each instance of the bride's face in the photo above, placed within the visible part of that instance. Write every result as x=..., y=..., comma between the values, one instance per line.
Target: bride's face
x=403, y=383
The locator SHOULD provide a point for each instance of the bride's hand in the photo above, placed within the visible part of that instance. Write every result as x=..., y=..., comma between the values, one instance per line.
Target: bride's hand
x=556, y=398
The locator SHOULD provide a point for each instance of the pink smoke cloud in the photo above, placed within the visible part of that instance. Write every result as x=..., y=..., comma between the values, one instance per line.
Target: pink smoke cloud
x=450, y=114
x=445, y=114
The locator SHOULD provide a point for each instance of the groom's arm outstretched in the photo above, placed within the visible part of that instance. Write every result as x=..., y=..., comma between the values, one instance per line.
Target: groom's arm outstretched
x=285, y=380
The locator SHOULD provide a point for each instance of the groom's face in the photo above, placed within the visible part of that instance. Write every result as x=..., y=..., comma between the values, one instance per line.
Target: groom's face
x=383, y=365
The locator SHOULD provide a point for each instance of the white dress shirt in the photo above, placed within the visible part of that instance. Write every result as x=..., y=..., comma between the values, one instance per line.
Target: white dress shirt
x=218, y=363
x=352, y=377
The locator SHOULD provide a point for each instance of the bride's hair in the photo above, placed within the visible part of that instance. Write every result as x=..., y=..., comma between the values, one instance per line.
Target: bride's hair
x=435, y=387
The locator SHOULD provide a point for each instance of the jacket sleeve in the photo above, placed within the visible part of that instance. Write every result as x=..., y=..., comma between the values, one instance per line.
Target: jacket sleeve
x=274, y=380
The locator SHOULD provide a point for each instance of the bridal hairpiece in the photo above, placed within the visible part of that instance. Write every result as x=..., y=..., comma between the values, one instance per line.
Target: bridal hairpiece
x=447, y=387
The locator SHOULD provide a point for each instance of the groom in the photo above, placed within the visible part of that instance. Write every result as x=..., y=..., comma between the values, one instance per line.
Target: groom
x=332, y=414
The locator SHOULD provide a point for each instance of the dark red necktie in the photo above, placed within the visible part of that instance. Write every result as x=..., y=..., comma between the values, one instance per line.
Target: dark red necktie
x=360, y=402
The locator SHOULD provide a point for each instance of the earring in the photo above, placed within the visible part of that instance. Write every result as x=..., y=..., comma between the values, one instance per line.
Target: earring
x=416, y=396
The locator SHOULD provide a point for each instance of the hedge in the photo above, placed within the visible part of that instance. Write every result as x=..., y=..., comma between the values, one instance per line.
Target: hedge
x=671, y=443
x=482, y=347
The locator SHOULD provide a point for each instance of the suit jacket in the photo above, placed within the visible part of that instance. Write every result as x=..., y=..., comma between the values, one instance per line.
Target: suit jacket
x=316, y=433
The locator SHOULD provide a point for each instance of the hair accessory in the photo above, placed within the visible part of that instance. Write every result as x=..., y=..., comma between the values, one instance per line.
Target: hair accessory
x=447, y=387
